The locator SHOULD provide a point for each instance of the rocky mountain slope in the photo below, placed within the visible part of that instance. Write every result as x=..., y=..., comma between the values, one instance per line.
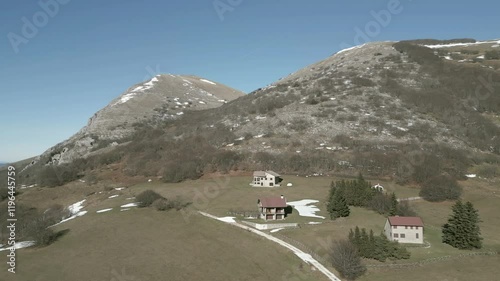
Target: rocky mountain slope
x=163, y=97
x=423, y=104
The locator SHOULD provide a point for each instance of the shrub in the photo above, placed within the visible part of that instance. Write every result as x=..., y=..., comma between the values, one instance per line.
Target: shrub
x=178, y=203
x=161, y=204
x=346, y=260
x=492, y=55
x=441, y=188
x=147, y=197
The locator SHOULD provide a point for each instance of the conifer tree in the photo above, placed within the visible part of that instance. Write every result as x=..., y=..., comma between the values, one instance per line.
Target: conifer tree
x=394, y=205
x=337, y=207
x=462, y=229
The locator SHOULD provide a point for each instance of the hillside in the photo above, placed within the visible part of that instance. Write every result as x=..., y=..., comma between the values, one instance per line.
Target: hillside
x=407, y=110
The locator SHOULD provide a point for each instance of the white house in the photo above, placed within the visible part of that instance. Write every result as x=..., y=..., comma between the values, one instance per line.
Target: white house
x=405, y=229
x=266, y=179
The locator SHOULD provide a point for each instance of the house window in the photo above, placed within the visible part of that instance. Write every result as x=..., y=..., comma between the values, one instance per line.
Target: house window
x=406, y=227
x=402, y=235
x=396, y=235
x=416, y=235
x=271, y=184
x=411, y=227
x=394, y=227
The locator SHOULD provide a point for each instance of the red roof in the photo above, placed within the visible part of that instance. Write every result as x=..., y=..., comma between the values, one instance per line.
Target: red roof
x=273, y=202
x=406, y=221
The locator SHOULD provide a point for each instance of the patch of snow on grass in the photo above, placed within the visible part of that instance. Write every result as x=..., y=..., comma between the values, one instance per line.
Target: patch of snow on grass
x=206, y=81
x=119, y=188
x=471, y=175
x=258, y=136
x=276, y=230
x=305, y=208
x=124, y=209
x=104, y=210
x=113, y=196
x=447, y=57
x=239, y=139
x=314, y=222
x=20, y=245
x=129, y=205
x=75, y=210
x=227, y=219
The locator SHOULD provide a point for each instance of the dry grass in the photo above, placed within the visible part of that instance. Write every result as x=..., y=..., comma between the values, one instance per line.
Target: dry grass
x=149, y=244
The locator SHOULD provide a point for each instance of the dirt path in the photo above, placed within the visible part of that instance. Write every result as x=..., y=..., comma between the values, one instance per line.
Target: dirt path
x=301, y=254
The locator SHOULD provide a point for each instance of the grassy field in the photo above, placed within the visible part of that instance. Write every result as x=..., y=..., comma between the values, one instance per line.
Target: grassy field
x=147, y=245
x=184, y=246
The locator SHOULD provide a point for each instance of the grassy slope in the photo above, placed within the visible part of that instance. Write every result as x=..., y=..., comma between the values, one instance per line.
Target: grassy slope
x=150, y=245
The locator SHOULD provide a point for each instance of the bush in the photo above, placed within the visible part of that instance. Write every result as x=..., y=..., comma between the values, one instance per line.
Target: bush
x=440, y=188
x=147, y=197
x=492, y=55
x=178, y=203
x=346, y=260
x=161, y=204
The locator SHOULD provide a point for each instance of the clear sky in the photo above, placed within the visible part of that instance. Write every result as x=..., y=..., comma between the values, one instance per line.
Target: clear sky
x=63, y=60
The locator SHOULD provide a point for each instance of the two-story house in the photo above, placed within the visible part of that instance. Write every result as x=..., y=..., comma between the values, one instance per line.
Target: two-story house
x=405, y=229
x=272, y=208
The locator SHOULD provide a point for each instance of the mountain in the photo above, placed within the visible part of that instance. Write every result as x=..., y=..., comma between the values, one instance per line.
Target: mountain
x=409, y=110
x=163, y=97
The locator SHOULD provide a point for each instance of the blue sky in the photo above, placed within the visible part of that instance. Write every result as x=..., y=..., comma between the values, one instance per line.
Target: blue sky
x=85, y=53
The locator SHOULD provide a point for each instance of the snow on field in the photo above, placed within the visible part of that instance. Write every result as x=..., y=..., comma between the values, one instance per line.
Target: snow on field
x=119, y=188
x=227, y=219
x=305, y=208
x=471, y=175
x=129, y=205
x=289, y=184
x=239, y=139
x=314, y=222
x=206, y=81
x=20, y=245
x=458, y=44
x=447, y=57
x=276, y=230
x=258, y=136
x=104, y=210
x=75, y=210
x=124, y=209
x=113, y=196
x=130, y=198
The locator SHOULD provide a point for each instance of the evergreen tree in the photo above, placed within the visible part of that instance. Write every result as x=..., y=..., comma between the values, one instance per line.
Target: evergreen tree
x=363, y=244
x=337, y=206
x=474, y=239
x=462, y=229
x=380, y=247
x=394, y=205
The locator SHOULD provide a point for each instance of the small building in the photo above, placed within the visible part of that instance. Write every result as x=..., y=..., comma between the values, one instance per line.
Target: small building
x=272, y=208
x=378, y=187
x=405, y=229
x=266, y=179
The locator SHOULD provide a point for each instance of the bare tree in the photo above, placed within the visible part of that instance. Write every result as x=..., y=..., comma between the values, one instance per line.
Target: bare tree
x=346, y=260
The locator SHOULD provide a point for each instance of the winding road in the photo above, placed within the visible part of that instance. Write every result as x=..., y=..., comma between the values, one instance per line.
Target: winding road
x=301, y=254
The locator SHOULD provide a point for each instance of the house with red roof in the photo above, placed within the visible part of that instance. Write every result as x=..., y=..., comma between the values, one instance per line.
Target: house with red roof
x=405, y=229
x=272, y=208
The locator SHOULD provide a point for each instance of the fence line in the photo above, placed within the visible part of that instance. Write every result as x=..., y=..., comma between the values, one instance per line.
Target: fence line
x=434, y=260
